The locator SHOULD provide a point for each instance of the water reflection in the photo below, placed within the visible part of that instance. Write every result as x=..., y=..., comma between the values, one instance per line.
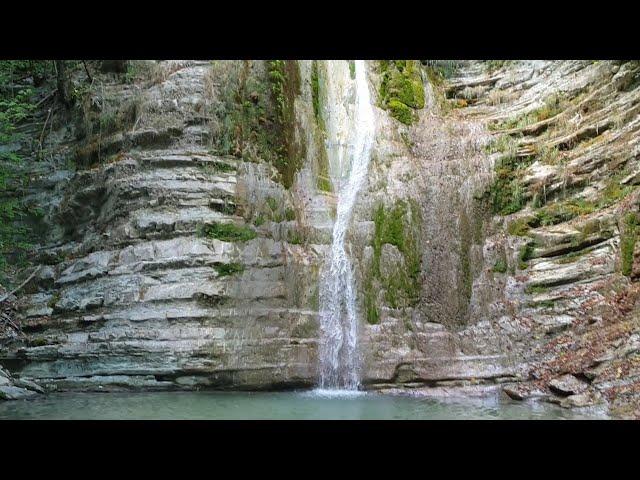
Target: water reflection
x=314, y=405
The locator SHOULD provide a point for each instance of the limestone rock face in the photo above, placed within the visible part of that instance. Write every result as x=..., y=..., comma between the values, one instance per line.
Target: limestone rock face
x=16, y=388
x=567, y=385
x=492, y=242
x=135, y=294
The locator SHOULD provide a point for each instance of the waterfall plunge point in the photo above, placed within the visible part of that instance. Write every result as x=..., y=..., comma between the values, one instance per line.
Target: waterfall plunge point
x=355, y=129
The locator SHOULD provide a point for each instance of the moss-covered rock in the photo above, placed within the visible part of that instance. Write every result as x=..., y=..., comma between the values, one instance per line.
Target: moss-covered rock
x=400, y=111
x=402, y=89
x=398, y=226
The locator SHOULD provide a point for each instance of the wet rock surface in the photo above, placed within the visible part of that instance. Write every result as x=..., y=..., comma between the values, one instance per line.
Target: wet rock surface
x=16, y=388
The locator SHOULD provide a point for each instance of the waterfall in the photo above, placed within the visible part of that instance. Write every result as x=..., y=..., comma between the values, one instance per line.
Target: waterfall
x=350, y=129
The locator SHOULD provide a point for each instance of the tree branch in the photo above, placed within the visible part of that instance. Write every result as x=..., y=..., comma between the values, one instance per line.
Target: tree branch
x=21, y=285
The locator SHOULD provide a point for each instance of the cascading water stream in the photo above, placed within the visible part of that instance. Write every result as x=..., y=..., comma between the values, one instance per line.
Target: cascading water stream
x=339, y=360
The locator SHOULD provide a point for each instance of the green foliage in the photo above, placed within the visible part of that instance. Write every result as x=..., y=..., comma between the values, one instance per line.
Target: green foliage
x=500, y=266
x=564, y=211
x=290, y=214
x=401, y=89
x=226, y=269
x=545, y=304
x=254, y=116
x=442, y=69
x=525, y=254
x=315, y=91
x=519, y=227
x=493, y=65
x=371, y=310
x=277, y=81
x=228, y=232
x=217, y=167
x=535, y=289
x=131, y=73
x=259, y=220
x=505, y=193
x=628, y=239
x=352, y=69
x=553, y=105
x=53, y=301
x=17, y=104
x=294, y=237
x=324, y=183
x=549, y=155
x=272, y=203
x=284, y=79
x=503, y=144
x=323, y=180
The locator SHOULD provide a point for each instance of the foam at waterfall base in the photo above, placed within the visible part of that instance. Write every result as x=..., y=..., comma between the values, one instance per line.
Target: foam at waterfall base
x=334, y=393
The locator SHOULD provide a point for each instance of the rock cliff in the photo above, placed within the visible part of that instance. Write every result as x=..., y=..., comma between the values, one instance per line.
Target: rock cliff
x=188, y=210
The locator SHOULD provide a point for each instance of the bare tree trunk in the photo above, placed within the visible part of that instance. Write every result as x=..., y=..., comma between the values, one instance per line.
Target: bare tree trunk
x=63, y=82
x=114, y=66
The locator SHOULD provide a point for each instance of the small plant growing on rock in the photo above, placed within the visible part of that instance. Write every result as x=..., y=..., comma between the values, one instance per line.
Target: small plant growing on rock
x=628, y=239
x=228, y=232
x=226, y=269
x=500, y=266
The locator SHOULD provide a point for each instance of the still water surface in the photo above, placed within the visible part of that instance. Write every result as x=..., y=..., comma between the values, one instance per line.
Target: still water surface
x=312, y=405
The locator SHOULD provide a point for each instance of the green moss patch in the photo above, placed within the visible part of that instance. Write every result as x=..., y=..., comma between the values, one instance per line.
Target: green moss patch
x=553, y=105
x=564, y=211
x=398, y=226
x=506, y=194
x=284, y=79
x=500, y=266
x=401, y=89
x=295, y=237
x=519, y=227
x=226, y=269
x=259, y=220
x=628, y=239
x=315, y=91
x=228, y=232
x=535, y=289
x=371, y=309
x=525, y=254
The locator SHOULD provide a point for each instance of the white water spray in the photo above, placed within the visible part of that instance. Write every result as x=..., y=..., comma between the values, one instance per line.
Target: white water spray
x=339, y=360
